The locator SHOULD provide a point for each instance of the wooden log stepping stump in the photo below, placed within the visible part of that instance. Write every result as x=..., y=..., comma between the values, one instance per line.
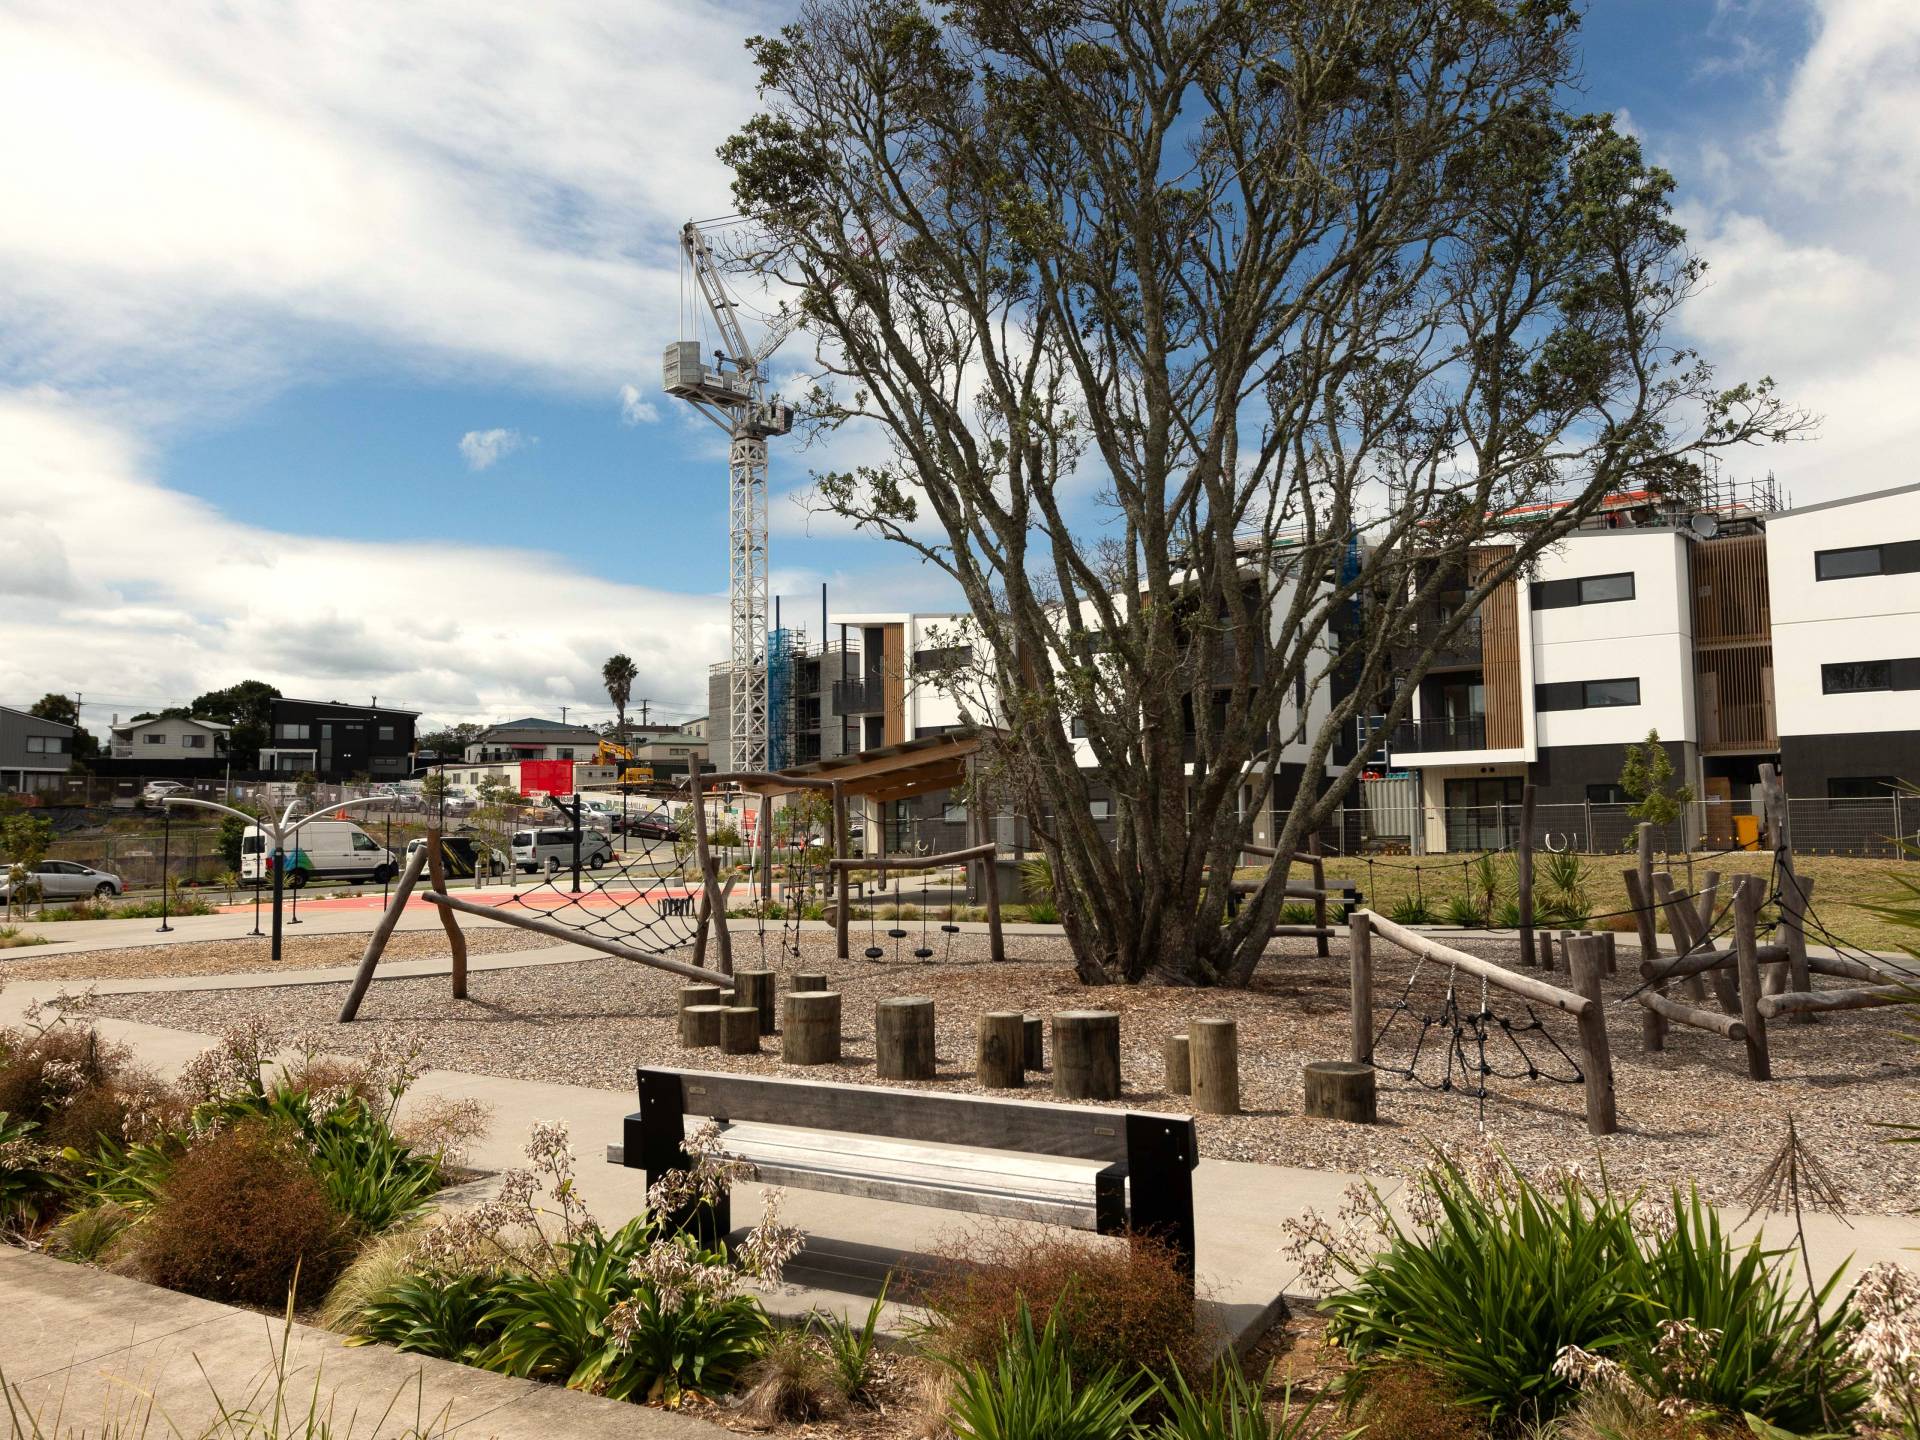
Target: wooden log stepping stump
x=1341, y=1090
x=1036, y=1028
x=810, y=1027
x=1179, y=1066
x=1086, y=1055
x=808, y=980
x=740, y=1030
x=758, y=989
x=1213, y=1053
x=1000, y=1058
x=699, y=995
x=700, y=1026
x=903, y=1038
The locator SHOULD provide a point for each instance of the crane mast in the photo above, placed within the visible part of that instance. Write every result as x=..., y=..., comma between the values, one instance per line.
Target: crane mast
x=736, y=400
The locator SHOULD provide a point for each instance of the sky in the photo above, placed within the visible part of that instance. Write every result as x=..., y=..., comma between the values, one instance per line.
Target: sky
x=330, y=330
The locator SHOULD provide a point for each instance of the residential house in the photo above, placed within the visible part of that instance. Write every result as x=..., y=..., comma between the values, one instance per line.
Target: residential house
x=34, y=753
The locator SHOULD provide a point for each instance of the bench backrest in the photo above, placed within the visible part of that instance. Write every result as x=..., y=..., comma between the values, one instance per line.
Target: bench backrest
x=1033, y=1127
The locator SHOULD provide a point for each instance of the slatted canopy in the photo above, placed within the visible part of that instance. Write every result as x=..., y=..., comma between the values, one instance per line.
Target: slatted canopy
x=895, y=772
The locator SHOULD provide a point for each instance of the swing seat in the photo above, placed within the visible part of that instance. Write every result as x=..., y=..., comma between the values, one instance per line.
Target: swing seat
x=950, y=929
x=874, y=952
x=923, y=953
x=896, y=934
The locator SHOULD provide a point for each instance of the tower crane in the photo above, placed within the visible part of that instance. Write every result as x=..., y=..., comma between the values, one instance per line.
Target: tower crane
x=732, y=392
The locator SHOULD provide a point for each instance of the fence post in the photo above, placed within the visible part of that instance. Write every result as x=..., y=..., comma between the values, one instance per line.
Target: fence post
x=1586, y=962
x=1360, y=957
x=1523, y=866
x=166, y=845
x=1746, y=910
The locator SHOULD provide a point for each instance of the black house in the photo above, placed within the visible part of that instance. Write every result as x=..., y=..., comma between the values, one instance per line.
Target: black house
x=338, y=741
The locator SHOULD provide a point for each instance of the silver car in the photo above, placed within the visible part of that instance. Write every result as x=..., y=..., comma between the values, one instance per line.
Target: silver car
x=65, y=880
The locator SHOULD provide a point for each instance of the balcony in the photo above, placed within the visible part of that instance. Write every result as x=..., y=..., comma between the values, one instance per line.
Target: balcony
x=860, y=696
x=1469, y=732
x=1461, y=648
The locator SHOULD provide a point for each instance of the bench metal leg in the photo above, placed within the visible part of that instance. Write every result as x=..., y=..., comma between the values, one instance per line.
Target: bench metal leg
x=1160, y=1159
x=660, y=1147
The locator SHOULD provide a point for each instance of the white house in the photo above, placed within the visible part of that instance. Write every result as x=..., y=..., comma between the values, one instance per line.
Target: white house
x=169, y=737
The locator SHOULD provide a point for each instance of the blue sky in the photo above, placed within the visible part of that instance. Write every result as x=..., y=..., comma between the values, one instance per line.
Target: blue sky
x=331, y=354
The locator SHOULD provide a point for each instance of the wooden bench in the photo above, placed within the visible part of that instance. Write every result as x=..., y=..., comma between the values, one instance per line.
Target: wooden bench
x=1114, y=1172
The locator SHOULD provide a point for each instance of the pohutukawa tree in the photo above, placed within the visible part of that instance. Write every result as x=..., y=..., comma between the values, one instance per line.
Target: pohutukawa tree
x=1219, y=341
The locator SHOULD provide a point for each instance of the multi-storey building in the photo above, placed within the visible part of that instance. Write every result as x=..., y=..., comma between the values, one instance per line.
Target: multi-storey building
x=337, y=741
x=532, y=738
x=1744, y=634
x=34, y=753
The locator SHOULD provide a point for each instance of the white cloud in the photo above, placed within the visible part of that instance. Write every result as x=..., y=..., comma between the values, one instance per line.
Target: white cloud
x=636, y=408
x=482, y=449
x=168, y=598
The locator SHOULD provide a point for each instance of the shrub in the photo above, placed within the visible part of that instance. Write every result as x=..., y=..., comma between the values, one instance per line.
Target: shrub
x=239, y=1215
x=1125, y=1305
x=792, y=1379
x=1407, y=1402
x=1231, y=1408
x=553, y=1326
x=851, y=1347
x=24, y=1178
x=1464, y=912
x=12, y=937
x=444, y=1316
x=371, y=1178
x=88, y=1233
x=1506, y=915
x=1411, y=910
x=1043, y=912
x=1297, y=912
x=1032, y=1389
x=673, y=1344
x=41, y=1071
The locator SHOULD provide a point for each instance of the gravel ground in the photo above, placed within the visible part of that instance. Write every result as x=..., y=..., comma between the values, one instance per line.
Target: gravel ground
x=1688, y=1113
x=250, y=956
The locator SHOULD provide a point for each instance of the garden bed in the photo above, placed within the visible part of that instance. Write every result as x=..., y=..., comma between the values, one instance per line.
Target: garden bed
x=1689, y=1113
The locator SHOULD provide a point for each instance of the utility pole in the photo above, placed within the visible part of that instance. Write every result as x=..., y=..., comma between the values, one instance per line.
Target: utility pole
x=563, y=714
x=643, y=713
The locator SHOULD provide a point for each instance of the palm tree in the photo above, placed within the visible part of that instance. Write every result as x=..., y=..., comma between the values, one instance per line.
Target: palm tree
x=619, y=673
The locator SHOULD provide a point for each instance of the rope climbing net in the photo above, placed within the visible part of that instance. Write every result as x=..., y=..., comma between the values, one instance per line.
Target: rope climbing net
x=1475, y=1043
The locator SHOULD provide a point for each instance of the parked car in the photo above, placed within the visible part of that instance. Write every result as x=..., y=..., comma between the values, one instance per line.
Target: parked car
x=156, y=792
x=460, y=855
x=64, y=880
x=325, y=850
x=655, y=825
x=551, y=850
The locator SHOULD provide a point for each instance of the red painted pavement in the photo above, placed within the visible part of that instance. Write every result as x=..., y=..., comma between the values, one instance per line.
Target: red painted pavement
x=587, y=899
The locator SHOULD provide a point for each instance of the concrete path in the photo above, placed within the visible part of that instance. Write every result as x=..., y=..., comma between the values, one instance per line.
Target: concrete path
x=82, y=1349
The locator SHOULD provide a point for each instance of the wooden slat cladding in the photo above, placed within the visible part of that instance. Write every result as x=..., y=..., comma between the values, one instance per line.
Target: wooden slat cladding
x=893, y=663
x=1730, y=603
x=1499, y=652
x=1733, y=644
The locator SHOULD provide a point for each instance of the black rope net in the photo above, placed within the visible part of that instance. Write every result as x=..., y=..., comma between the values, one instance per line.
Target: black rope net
x=1457, y=1047
x=639, y=898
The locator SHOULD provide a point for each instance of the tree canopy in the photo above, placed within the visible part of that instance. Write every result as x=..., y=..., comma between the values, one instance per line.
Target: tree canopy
x=1227, y=354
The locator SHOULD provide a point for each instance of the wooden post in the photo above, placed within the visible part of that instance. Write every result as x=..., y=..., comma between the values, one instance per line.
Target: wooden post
x=700, y=1026
x=1360, y=968
x=1086, y=1055
x=1653, y=1025
x=766, y=852
x=1543, y=948
x=1036, y=1042
x=698, y=995
x=456, y=942
x=1612, y=941
x=716, y=904
x=740, y=1030
x=1681, y=920
x=1340, y=1090
x=1320, y=895
x=810, y=1032
x=1175, y=1051
x=1523, y=869
x=808, y=980
x=996, y=942
x=758, y=988
x=1587, y=962
x=1795, y=975
x=903, y=1038
x=1746, y=914
x=1001, y=1050
x=383, y=932
x=1214, y=1055
x=841, y=883
x=1703, y=904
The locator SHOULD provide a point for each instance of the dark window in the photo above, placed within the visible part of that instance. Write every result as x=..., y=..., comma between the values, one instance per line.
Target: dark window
x=153, y=737
x=954, y=814
x=1900, y=557
x=1100, y=809
x=1851, y=677
x=947, y=657
x=287, y=730
x=1586, y=694
x=386, y=732
x=1583, y=590
x=1078, y=727
x=194, y=742
x=1607, y=793
x=1860, y=787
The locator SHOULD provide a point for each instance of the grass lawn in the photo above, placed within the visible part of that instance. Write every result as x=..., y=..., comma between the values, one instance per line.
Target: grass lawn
x=1843, y=887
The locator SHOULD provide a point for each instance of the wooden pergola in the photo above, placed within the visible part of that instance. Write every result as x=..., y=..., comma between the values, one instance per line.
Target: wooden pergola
x=899, y=771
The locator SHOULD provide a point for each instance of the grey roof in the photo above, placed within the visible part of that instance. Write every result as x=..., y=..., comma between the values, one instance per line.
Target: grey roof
x=37, y=719
x=1844, y=500
x=533, y=728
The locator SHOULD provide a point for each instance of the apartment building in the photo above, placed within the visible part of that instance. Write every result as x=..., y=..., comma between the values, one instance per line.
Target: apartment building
x=34, y=753
x=1744, y=634
x=338, y=741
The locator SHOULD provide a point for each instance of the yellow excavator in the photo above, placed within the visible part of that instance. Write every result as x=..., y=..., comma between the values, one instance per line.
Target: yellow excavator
x=610, y=753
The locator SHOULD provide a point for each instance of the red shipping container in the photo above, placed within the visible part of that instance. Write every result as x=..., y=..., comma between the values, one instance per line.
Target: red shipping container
x=550, y=777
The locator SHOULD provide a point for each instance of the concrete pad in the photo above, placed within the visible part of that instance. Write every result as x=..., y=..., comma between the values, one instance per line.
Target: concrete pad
x=89, y=1346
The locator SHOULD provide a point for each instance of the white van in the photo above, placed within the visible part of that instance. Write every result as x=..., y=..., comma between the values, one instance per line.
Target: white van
x=551, y=850
x=326, y=850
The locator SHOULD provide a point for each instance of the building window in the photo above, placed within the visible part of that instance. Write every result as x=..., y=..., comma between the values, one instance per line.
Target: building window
x=947, y=657
x=46, y=744
x=1583, y=590
x=153, y=737
x=1900, y=557
x=1853, y=677
x=387, y=733
x=954, y=814
x=1861, y=787
x=1078, y=727
x=1586, y=694
x=1100, y=809
x=1607, y=793
x=194, y=742
x=289, y=730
